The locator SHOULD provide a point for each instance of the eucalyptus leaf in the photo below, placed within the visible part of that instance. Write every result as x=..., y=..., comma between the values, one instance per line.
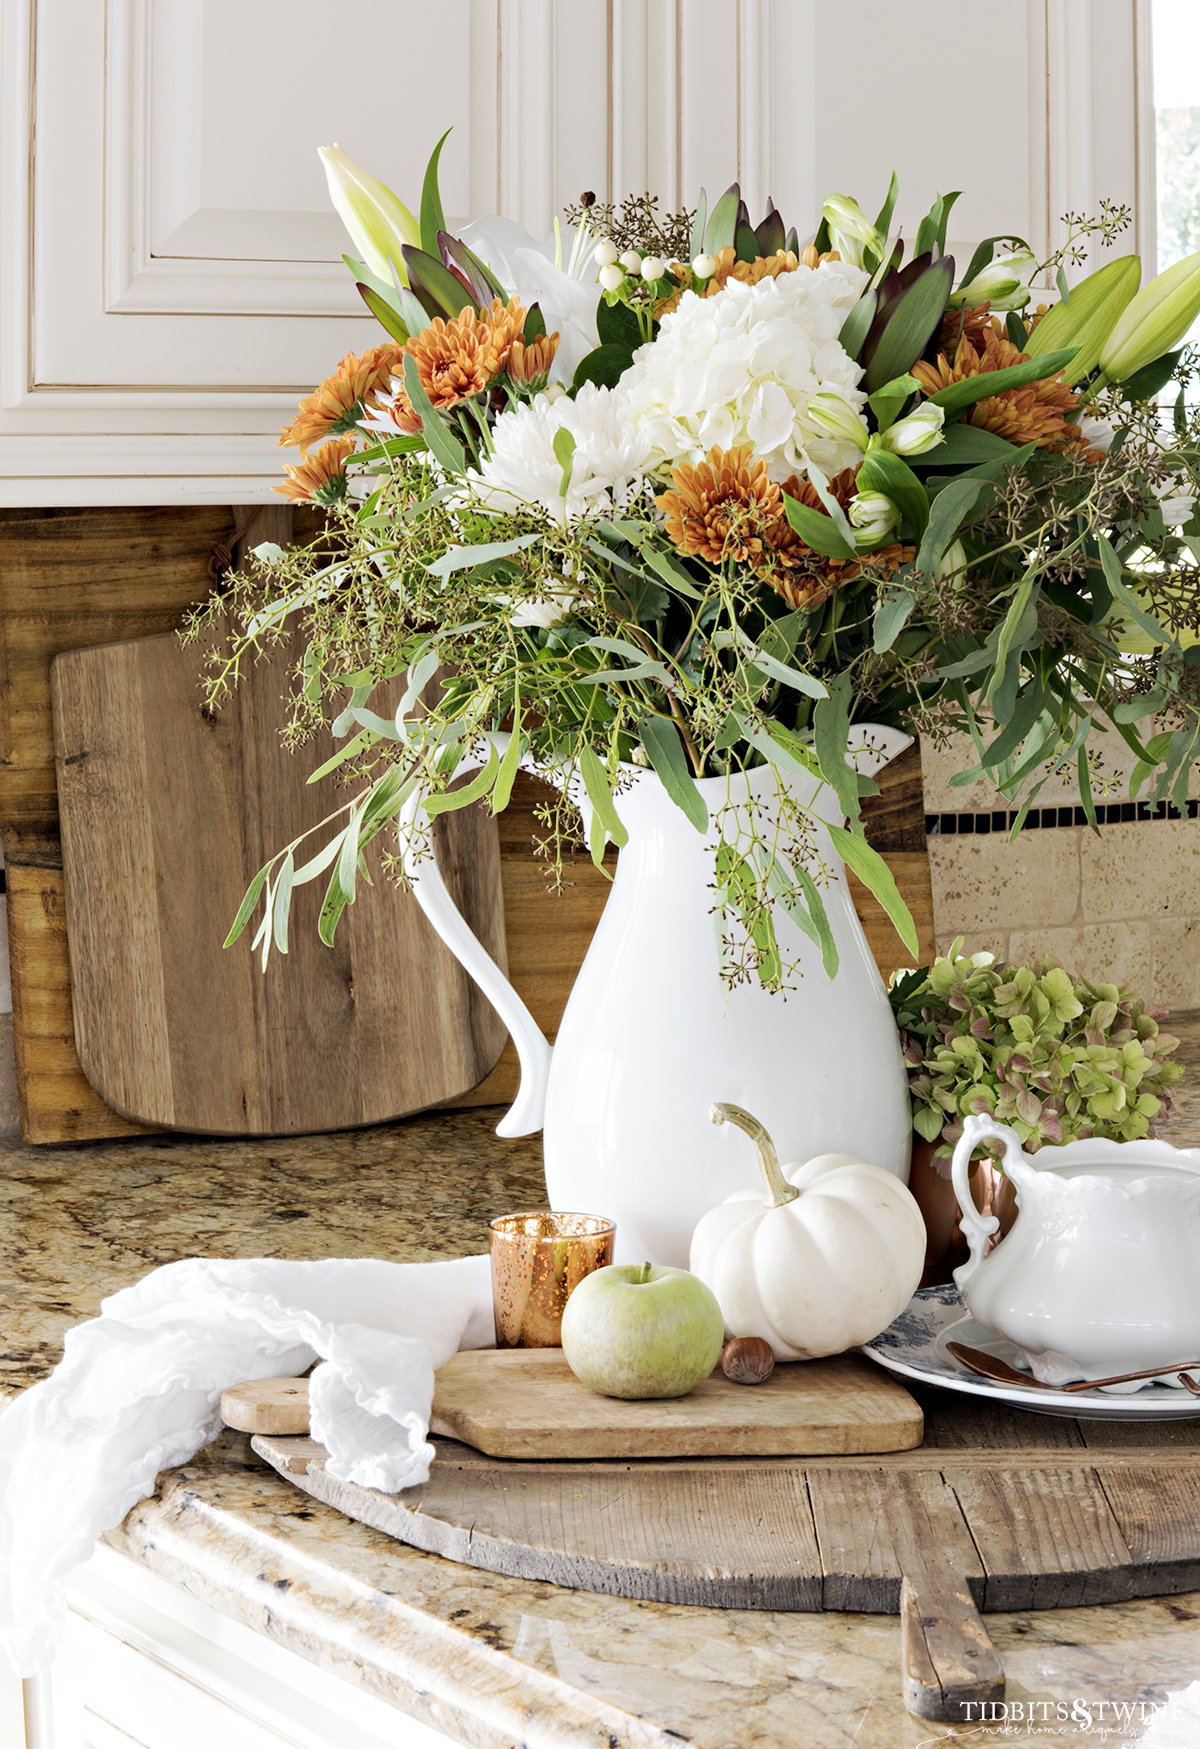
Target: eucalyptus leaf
x=877, y=877
x=443, y=445
x=665, y=752
x=472, y=558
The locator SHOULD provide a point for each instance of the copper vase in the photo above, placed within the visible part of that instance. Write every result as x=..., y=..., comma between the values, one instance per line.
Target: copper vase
x=945, y=1247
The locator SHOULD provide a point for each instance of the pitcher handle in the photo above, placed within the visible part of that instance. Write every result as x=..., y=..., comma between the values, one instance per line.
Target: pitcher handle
x=978, y=1228
x=527, y=1113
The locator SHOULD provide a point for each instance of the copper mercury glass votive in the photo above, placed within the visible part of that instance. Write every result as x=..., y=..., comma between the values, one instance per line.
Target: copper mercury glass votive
x=538, y=1259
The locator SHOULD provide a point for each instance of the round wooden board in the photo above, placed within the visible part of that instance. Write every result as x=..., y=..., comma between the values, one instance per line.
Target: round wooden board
x=936, y=1534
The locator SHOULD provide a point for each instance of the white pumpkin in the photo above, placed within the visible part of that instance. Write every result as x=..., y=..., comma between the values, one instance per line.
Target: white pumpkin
x=824, y=1261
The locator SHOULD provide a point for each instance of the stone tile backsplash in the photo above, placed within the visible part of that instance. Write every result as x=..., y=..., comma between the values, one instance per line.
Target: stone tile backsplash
x=1123, y=904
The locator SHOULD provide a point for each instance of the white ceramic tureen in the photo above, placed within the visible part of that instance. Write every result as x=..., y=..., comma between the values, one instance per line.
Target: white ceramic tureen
x=1100, y=1273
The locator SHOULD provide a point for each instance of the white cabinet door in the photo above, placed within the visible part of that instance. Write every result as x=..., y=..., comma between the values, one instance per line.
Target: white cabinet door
x=170, y=279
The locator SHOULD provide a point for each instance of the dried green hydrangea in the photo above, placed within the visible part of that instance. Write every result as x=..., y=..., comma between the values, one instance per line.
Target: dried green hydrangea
x=1057, y=1058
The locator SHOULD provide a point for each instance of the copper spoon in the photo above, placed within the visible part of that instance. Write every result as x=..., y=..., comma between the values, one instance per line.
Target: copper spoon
x=991, y=1367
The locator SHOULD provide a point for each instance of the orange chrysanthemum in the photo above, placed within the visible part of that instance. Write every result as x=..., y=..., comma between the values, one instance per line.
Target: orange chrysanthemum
x=321, y=477
x=971, y=324
x=463, y=357
x=721, y=508
x=1036, y=413
x=529, y=361
x=806, y=578
x=336, y=405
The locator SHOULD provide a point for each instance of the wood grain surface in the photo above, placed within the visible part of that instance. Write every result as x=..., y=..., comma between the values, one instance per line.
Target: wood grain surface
x=976, y=1519
x=167, y=807
x=76, y=578
x=527, y=1403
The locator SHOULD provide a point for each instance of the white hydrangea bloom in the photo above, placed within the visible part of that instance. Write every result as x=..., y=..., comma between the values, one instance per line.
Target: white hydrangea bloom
x=608, y=467
x=741, y=368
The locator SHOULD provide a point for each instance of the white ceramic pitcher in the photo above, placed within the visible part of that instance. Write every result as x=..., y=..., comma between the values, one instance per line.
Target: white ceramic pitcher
x=651, y=1035
x=1100, y=1273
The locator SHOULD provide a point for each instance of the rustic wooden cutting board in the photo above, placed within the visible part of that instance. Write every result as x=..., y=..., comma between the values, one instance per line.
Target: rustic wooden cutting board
x=167, y=809
x=527, y=1403
x=996, y=1511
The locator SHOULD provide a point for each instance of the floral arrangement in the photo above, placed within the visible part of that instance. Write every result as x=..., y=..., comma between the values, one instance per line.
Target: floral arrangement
x=682, y=491
x=1059, y=1059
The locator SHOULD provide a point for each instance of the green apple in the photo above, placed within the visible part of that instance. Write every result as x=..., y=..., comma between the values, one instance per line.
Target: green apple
x=633, y=1330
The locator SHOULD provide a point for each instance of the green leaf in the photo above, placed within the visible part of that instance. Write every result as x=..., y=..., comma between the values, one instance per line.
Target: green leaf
x=1031, y=702
x=831, y=735
x=357, y=744
x=818, y=531
x=1084, y=771
x=886, y=402
x=883, y=219
x=877, y=877
x=283, y=901
x=449, y=801
x=665, y=752
x=595, y=782
x=605, y=365
x=890, y=474
x=433, y=219
x=968, y=444
x=1144, y=384
x=617, y=325
x=472, y=558
x=443, y=445
x=246, y=909
x=892, y=611
x=1020, y=623
x=947, y=514
x=564, y=455
x=957, y=397
x=383, y=312
x=1114, y=576
x=782, y=671
x=430, y=279
x=509, y=764
x=722, y=225
x=857, y=325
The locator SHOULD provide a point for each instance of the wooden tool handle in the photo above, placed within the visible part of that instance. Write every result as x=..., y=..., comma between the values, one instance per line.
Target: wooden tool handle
x=278, y=1406
x=947, y=1656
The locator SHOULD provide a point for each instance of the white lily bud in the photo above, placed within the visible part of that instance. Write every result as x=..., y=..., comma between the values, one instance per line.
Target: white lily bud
x=605, y=253
x=612, y=277
x=834, y=415
x=850, y=230
x=873, y=516
x=704, y=266
x=1175, y=501
x=379, y=223
x=631, y=261
x=653, y=267
x=915, y=434
x=1003, y=284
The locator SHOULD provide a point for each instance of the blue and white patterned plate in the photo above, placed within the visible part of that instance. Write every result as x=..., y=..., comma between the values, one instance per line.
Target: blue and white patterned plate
x=914, y=1347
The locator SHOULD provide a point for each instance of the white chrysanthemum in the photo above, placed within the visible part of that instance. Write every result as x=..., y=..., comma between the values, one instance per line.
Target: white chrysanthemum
x=741, y=368
x=608, y=466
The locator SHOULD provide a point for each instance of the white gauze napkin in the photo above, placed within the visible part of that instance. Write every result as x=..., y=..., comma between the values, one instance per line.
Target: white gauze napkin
x=138, y=1390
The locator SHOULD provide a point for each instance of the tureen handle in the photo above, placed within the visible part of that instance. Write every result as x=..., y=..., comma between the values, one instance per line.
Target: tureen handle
x=978, y=1228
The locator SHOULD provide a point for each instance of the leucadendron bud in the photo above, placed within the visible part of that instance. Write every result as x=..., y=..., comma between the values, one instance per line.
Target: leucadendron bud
x=835, y=416
x=915, y=434
x=873, y=516
x=850, y=230
x=378, y=221
x=1154, y=321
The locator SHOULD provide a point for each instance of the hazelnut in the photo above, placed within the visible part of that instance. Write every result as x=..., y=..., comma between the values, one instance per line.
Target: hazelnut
x=747, y=1360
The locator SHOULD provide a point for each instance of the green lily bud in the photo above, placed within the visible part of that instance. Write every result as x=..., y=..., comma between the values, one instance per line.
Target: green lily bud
x=1003, y=284
x=1154, y=321
x=1088, y=316
x=850, y=230
x=873, y=516
x=917, y=433
x=379, y=223
x=837, y=418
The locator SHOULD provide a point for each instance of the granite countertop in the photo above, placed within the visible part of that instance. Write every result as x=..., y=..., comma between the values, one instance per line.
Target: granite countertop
x=491, y=1660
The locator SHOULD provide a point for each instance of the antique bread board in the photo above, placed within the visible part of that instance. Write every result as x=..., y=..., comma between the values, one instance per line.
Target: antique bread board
x=86, y=576
x=167, y=809
x=996, y=1511
x=526, y=1403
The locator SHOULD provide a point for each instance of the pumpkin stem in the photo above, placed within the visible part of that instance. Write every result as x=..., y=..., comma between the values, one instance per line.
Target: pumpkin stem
x=779, y=1191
